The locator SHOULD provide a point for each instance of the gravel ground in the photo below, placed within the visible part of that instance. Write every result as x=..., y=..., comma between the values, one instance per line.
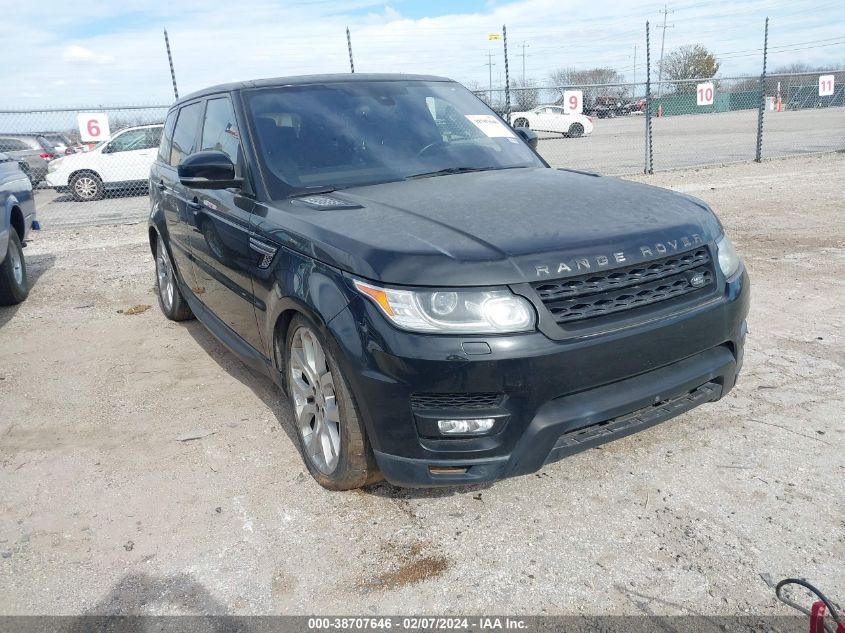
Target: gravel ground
x=104, y=510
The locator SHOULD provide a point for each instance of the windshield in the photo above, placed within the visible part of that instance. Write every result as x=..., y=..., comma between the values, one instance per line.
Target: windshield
x=364, y=132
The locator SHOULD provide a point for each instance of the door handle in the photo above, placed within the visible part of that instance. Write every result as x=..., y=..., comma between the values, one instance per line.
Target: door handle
x=161, y=186
x=195, y=204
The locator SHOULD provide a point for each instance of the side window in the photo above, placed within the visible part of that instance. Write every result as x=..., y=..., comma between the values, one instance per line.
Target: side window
x=164, y=148
x=128, y=141
x=185, y=133
x=220, y=130
x=12, y=145
x=153, y=137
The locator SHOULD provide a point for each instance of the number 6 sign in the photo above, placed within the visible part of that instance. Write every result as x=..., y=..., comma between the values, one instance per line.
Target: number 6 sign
x=704, y=94
x=573, y=101
x=93, y=126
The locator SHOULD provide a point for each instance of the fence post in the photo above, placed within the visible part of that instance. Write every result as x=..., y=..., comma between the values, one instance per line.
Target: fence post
x=507, y=76
x=170, y=61
x=648, y=167
x=349, y=46
x=758, y=157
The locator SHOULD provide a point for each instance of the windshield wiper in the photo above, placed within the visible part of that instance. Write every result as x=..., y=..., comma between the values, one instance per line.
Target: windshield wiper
x=447, y=171
x=457, y=170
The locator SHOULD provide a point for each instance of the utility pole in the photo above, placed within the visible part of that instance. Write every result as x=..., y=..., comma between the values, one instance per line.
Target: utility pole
x=349, y=46
x=170, y=61
x=490, y=63
x=635, y=70
x=523, y=62
x=665, y=26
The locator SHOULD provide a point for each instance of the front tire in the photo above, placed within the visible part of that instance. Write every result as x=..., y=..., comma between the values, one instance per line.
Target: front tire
x=170, y=298
x=575, y=130
x=331, y=435
x=86, y=186
x=14, y=285
x=521, y=123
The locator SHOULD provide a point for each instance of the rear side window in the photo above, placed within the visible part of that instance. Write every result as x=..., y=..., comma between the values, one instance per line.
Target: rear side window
x=219, y=130
x=12, y=145
x=164, y=148
x=185, y=133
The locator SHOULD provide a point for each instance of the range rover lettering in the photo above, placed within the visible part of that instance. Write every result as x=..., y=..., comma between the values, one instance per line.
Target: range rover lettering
x=440, y=306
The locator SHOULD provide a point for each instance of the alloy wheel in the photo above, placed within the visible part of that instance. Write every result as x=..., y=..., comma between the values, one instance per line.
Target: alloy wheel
x=164, y=272
x=17, y=264
x=85, y=187
x=314, y=400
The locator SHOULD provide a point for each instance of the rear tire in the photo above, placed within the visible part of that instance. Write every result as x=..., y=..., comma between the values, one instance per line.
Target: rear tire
x=170, y=298
x=86, y=186
x=14, y=285
x=332, y=438
x=575, y=130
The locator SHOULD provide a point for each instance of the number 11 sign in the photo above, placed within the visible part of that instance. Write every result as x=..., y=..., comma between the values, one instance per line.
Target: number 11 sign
x=93, y=126
x=825, y=85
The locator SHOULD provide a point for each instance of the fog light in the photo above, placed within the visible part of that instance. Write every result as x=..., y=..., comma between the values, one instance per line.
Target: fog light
x=461, y=427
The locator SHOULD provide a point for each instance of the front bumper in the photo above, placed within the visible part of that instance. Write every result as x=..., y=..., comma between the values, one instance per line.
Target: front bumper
x=556, y=397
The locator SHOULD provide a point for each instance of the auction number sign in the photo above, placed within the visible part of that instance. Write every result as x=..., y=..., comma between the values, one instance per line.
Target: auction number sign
x=573, y=101
x=825, y=85
x=704, y=94
x=93, y=126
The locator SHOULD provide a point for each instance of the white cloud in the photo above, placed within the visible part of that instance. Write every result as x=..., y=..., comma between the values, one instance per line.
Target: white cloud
x=76, y=54
x=122, y=59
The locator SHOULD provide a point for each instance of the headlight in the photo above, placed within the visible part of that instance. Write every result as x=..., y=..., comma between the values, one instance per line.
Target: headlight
x=452, y=311
x=728, y=258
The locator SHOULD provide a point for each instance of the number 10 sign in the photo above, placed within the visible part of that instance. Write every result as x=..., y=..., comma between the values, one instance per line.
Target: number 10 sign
x=93, y=126
x=704, y=94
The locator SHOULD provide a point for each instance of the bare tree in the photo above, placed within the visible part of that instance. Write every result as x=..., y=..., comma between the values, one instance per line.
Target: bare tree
x=593, y=82
x=526, y=94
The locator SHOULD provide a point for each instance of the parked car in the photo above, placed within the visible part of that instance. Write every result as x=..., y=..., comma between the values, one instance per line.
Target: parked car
x=552, y=118
x=440, y=305
x=637, y=106
x=122, y=163
x=17, y=207
x=32, y=157
x=604, y=107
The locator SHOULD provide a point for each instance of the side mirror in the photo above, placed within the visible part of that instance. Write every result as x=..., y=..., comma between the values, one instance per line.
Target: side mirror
x=108, y=148
x=208, y=170
x=529, y=136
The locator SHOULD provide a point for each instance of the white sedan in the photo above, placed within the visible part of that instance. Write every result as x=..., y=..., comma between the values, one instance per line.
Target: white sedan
x=551, y=118
x=120, y=163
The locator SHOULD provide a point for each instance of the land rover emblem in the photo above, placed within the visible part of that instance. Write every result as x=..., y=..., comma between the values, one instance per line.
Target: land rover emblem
x=697, y=280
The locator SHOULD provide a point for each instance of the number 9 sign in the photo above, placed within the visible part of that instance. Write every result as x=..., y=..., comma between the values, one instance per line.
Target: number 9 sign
x=93, y=126
x=573, y=101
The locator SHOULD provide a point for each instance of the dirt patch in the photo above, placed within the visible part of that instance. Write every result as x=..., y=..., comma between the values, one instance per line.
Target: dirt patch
x=410, y=572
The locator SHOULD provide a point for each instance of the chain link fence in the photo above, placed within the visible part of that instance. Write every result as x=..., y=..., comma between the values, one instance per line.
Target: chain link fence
x=102, y=155
x=693, y=122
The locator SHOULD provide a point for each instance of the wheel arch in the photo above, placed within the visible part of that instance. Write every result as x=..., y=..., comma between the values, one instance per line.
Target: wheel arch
x=83, y=170
x=16, y=221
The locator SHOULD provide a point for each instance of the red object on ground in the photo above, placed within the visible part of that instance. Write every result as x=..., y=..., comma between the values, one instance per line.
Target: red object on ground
x=817, y=613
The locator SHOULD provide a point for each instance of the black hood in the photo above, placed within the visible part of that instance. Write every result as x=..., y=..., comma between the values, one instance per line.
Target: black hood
x=493, y=227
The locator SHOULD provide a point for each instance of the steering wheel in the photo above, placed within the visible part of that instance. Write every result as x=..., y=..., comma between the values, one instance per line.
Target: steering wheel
x=430, y=146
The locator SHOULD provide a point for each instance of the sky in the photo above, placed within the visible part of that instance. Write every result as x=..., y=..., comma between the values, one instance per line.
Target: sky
x=111, y=52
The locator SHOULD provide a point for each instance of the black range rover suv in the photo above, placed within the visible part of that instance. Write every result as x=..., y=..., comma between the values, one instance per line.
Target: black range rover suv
x=440, y=306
